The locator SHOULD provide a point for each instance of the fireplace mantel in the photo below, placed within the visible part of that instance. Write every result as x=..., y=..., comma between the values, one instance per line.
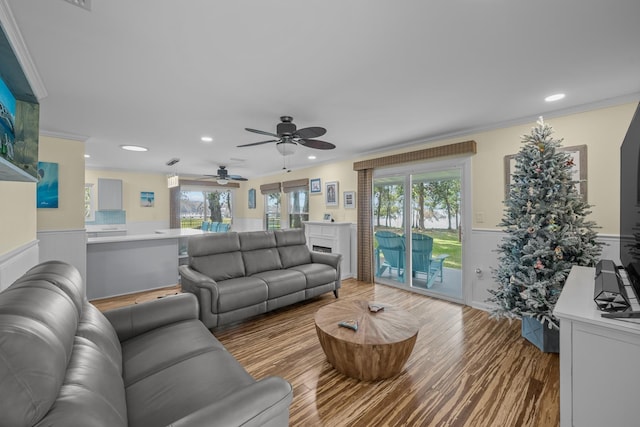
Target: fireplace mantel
x=332, y=237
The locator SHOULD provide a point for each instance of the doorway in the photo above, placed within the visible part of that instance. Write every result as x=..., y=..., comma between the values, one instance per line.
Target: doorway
x=418, y=217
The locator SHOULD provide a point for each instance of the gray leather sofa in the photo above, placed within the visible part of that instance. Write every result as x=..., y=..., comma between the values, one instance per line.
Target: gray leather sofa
x=241, y=274
x=63, y=363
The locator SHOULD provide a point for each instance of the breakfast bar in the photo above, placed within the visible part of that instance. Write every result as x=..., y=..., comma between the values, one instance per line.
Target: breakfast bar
x=118, y=265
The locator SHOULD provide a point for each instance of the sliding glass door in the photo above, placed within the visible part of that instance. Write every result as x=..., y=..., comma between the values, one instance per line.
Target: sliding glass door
x=418, y=233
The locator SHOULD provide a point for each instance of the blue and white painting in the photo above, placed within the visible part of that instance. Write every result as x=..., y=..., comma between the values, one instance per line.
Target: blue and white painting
x=147, y=199
x=47, y=190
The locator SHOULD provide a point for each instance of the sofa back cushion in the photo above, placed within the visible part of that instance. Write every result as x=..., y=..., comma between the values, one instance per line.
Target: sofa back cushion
x=292, y=247
x=216, y=255
x=38, y=322
x=259, y=251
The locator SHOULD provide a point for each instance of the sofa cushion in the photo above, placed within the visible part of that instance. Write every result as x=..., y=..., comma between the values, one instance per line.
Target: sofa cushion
x=38, y=322
x=317, y=274
x=146, y=354
x=294, y=255
x=213, y=243
x=93, y=393
x=216, y=255
x=97, y=329
x=63, y=276
x=290, y=237
x=260, y=260
x=282, y=282
x=184, y=387
x=252, y=240
x=240, y=292
x=219, y=266
x=292, y=247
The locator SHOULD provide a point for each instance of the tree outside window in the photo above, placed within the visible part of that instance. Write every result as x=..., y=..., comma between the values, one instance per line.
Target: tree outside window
x=298, y=208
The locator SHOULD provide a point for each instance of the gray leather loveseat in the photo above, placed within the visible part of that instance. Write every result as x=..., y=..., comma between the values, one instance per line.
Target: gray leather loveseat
x=63, y=363
x=241, y=274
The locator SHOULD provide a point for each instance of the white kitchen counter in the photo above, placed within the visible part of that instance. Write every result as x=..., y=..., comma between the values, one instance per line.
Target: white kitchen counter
x=118, y=265
x=172, y=233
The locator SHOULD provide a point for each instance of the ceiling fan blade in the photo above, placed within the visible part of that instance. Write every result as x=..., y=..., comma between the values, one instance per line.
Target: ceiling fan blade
x=316, y=143
x=310, y=132
x=237, y=178
x=258, y=143
x=261, y=132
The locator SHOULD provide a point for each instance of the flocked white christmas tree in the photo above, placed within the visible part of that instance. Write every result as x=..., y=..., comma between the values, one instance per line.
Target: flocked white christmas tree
x=547, y=232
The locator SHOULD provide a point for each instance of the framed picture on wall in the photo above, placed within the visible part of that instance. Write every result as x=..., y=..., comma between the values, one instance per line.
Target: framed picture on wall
x=331, y=195
x=578, y=155
x=147, y=199
x=314, y=186
x=349, y=199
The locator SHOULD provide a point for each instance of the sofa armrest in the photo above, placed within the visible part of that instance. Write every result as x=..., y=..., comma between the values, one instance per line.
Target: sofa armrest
x=192, y=280
x=264, y=403
x=137, y=319
x=331, y=259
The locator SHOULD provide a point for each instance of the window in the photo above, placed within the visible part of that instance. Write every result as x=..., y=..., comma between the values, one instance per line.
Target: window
x=200, y=205
x=298, y=208
x=272, y=214
x=89, y=203
x=273, y=205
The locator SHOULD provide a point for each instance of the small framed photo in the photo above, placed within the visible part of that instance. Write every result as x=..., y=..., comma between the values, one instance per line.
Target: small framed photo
x=147, y=199
x=327, y=217
x=349, y=199
x=331, y=196
x=315, y=187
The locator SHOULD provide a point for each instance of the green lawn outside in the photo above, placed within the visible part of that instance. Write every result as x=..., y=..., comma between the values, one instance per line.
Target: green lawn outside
x=444, y=242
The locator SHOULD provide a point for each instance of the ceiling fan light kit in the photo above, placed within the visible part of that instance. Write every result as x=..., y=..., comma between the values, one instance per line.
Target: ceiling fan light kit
x=286, y=148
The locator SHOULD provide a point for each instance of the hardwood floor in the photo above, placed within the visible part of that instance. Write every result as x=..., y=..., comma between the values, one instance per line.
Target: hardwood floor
x=465, y=369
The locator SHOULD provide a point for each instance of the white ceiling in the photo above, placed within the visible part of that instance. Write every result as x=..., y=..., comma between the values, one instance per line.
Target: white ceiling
x=376, y=74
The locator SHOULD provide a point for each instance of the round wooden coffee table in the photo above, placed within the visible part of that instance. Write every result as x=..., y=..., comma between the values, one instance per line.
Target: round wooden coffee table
x=377, y=350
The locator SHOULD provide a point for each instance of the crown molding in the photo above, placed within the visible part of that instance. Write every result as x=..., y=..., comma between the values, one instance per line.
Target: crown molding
x=64, y=135
x=11, y=30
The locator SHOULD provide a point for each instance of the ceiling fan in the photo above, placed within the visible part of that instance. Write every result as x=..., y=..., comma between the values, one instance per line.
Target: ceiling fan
x=223, y=176
x=288, y=137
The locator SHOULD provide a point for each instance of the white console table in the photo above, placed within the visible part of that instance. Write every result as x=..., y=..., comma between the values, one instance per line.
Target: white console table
x=331, y=237
x=599, y=359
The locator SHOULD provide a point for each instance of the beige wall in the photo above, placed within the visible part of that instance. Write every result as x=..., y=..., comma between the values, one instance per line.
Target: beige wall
x=341, y=172
x=601, y=130
x=132, y=184
x=17, y=215
x=69, y=155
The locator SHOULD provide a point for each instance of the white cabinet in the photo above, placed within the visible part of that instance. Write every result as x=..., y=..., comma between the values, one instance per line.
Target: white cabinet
x=599, y=372
x=109, y=194
x=332, y=237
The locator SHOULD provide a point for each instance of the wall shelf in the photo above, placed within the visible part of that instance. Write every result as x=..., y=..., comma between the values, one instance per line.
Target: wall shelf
x=10, y=172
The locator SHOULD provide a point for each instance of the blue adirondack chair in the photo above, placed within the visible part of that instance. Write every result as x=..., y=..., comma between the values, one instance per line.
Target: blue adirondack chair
x=205, y=226
x=391, y=248
x=422, y=259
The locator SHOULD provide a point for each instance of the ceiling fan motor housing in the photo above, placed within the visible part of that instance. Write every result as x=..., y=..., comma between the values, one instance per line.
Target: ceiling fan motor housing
x=286, y=128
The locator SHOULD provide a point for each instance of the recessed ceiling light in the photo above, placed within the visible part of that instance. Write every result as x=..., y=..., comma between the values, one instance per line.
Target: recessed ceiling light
x=206, y=139
x=133, y=148
x=555, y=97
x=86, y=156
x=311, y=157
